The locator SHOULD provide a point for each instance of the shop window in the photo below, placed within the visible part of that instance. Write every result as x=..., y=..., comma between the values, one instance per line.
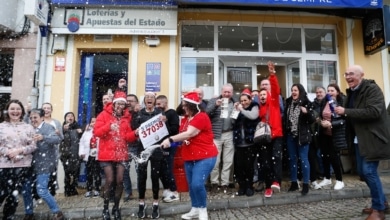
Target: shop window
x=6, y=68
x=320, y=41
x=197, y=72
x=197, y=37
x=281, y=39
x=238, y=38
x=320, y=73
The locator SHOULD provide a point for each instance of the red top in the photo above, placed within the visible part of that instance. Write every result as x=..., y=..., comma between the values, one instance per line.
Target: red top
x=113, y=144
x=202, y=145
x=274, y=117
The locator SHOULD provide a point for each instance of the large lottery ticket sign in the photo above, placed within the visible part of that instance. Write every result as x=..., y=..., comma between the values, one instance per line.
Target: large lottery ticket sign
x=152, y=131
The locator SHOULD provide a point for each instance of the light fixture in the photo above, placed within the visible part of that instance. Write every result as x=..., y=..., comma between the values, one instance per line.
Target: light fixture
x=152, y=41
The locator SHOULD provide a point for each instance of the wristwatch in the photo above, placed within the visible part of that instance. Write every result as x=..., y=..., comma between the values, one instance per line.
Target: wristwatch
x=171, y=140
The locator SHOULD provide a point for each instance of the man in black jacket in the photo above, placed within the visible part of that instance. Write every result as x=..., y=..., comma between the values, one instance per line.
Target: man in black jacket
x=368, y=132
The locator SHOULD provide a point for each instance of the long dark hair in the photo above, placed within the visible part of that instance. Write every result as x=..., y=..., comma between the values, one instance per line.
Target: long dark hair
x=302, y=92
x=340, y=95
x=5, y=112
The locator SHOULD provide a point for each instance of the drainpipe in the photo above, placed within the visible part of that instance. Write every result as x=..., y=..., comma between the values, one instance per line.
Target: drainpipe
x=42, y=69
x=33, y=98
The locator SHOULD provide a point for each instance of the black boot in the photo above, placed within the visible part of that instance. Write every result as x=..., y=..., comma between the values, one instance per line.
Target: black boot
x=116, y=212
x=293, y=187
x=106, y=214
x=305, y=189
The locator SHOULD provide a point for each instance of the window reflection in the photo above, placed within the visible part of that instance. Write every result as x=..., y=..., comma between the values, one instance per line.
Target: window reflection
x=320, y=41
x=238, y=38
x=197, y=72
x=197, y=37
x=320, y=73
x=281, y=39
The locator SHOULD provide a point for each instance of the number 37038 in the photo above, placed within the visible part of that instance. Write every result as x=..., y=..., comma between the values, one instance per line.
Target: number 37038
x=150, y=130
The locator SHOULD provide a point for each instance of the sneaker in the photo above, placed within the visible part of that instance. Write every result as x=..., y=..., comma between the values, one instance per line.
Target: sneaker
x=166, y=193
x=88, y=194
x=96, y=194
x=155, y=211
x=141, y=210
x=325, y=182
x=275, y=186
x=241, y=192
x=268, y=193
x=29, y=217
x=58, y=216
x=315, y=185
x=174, y=196
x=339, y=185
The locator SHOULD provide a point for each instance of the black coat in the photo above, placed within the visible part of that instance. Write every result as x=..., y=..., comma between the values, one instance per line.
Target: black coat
x=304, y=121
x=368, y=121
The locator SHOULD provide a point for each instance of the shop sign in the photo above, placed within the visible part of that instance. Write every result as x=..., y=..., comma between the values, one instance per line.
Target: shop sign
x=36, y=11
x=153, y=77
x=115, y=21
x=292, y=3
x=376, y=31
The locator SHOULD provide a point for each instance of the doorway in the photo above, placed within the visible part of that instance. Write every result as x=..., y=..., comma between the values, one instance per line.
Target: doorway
x=99, y=74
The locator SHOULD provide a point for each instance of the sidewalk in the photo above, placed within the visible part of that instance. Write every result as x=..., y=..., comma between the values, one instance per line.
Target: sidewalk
x=78, y=207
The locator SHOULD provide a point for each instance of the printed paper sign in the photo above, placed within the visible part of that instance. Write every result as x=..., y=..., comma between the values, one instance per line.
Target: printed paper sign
x=152, y=131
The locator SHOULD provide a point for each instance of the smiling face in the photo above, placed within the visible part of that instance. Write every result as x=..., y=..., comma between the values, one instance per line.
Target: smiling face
x=332, y=91
x=35, y=119
x=119, y=106
x=354, y=76
x=245, y=101
x=294, y=92
x=15, y=112
x=106, y=99
x=320, y=93
x=47, y=108
x=227, y=91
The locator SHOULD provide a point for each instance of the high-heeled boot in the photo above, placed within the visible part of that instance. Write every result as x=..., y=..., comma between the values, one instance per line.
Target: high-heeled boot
x=106, y=212
x=116, y=212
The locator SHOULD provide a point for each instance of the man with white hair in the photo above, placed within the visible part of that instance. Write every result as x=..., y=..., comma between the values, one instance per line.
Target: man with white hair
x=368, y=132
x=223, y=138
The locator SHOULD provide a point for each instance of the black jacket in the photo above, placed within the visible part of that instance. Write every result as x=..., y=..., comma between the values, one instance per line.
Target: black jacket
x=304, y=121
x=368, y=120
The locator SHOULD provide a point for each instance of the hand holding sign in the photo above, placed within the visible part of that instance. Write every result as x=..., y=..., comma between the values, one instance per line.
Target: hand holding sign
x=152, y=131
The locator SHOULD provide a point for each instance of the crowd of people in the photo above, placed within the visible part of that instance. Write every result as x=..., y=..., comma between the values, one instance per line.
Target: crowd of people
x=216, y=137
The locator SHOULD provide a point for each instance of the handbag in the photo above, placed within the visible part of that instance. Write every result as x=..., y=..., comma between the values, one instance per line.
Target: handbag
x=263, y=132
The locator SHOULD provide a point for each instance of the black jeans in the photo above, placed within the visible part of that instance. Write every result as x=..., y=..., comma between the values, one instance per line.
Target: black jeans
x=93, y=173
x=156, y=159
x=271, y=161
x=330, y=156
x=11, y=180
x=244, y=158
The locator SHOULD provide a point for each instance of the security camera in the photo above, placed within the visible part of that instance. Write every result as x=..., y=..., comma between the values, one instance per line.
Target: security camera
x=152, y=41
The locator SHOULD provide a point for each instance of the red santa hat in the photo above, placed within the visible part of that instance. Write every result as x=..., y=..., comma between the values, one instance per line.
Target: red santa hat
x=119, y=96
x=192, y=97
x=246, y=92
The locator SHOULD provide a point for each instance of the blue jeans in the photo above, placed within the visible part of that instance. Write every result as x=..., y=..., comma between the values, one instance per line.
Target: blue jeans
x=368, y=169
x=296, y=151
x=43, y=192
x=197, y=173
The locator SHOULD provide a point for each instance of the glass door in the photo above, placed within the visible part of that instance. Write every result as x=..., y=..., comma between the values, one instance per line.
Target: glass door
x=293, y=75
x=240, y=78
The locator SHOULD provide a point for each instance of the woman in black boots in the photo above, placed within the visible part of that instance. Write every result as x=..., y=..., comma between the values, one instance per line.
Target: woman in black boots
x=113, y=130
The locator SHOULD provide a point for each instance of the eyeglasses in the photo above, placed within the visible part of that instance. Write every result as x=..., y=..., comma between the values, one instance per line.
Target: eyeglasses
x=348, y=74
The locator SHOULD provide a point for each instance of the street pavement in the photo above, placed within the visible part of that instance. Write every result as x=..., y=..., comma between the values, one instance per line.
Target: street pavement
x=282, y=205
